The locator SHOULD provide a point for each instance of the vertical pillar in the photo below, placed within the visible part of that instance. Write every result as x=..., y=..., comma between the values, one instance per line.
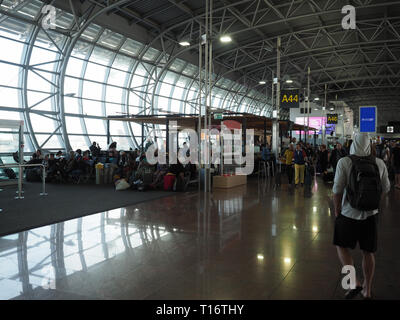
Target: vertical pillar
x=108, y=132
x=199, y=109
x=142, y=144
x=244, y=127
x=308, y=101
x=324, y=120
x=265, y=131
x=167, y=140
x=275, y=125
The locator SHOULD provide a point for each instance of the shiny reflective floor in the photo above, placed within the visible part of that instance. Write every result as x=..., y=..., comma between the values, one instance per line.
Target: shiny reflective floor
x=251, y=242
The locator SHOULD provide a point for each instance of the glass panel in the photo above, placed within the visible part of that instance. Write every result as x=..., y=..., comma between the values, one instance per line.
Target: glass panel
x=74, y=125
x=114, y=94
x=46, y=39
x=95, y=126
x=123, y=143
x=165, y=89
x=113, y=109
x=151, y=54
x=36, y=97
x=110, y=39
x=36, y=82
x=42, y=124
x=131, y=47
x=78, y=142
x=117, y=128
x=12, y=73
x=74, y=67
x=71, y=105
x=71, y=86
x=93, y=108
x=92, y=90
x=9, y=97
x=101, y=140
x=117, y=77
x=9, y=142
x=122, y=62
x=162, y=104
x=91, y=32
x=102, y=56
x=40, y=55
x=81, y=49
x=175, y=106
x=13, y=52
x=30, y=9
x=9, y=115
x=53, y=142
x=178, y=92
x=95, y=72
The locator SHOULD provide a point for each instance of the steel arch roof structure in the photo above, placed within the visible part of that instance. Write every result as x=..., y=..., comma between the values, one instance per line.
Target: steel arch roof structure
x=123, y=56
x=348, y=61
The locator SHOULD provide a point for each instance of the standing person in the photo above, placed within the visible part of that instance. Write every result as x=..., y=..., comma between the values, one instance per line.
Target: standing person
x=360, y=182
x=396, y=164
x=113, y=153
x=289, y=157
x=95, y=149
x=309, y=151
x=337, y=154
x=386, y=155
x=323, y=156
x=299, y=164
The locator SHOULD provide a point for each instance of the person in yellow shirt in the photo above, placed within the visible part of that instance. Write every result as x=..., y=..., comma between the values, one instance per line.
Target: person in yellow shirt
x=289, y=156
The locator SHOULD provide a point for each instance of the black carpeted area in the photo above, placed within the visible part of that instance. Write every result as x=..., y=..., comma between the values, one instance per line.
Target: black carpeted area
x=63, y=202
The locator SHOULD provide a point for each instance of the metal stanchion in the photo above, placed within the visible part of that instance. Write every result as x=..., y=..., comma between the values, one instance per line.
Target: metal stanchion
x=20, y=177
x=44, y=182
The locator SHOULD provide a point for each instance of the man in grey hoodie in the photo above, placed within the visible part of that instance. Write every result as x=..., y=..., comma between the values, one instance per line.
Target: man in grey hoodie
x=352, y=225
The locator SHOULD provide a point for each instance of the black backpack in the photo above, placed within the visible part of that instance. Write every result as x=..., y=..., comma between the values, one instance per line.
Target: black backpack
x=364, y=188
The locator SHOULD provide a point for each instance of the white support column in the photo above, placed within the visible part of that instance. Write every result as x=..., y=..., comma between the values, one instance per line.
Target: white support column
x=275, y=124
x=324, y=117
x=308, y=103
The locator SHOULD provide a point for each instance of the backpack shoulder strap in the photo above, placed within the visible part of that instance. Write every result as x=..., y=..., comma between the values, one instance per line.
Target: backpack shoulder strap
x=353, y=158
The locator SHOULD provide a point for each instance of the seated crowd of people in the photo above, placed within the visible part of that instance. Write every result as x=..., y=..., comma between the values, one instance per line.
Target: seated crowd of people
x=131, y=166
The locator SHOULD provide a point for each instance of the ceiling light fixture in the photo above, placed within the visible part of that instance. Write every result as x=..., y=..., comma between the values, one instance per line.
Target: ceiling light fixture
x=184, y=43
x=262, y=82
x=225, y=39
x=289, y=81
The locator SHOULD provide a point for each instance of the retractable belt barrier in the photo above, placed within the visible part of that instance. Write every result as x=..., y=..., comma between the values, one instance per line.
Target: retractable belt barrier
x=21, y=175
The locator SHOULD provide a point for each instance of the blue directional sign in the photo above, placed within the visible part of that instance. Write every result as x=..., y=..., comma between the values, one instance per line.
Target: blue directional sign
x=368, y=119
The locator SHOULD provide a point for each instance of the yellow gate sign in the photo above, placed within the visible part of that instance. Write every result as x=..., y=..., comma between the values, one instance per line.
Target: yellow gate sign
x=290, y=99
x=332, y=119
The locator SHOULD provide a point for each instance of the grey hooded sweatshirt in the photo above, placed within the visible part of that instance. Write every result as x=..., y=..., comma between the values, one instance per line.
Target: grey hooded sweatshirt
x=361, y=147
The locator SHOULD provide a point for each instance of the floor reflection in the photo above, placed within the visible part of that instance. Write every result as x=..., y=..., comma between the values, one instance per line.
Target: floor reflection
x=250, y=242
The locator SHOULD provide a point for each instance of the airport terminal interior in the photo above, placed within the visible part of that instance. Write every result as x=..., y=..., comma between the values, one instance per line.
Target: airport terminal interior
x=199, y=149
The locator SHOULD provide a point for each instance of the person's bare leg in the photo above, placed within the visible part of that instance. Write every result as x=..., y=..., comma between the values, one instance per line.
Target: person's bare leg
x=368, y=265
x=346, y=259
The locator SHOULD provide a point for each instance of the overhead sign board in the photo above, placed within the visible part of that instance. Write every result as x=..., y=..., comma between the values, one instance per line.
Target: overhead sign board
x=218, y=116
x=332, y=118
x=290, y=99
x=368, y=119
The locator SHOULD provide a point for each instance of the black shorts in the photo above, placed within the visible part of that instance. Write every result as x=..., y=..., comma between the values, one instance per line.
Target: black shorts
x=350, y=231
x=396, y=169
